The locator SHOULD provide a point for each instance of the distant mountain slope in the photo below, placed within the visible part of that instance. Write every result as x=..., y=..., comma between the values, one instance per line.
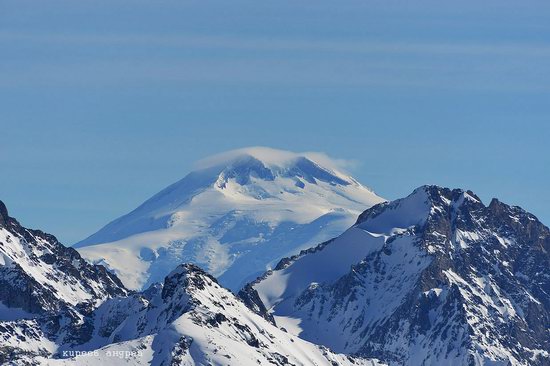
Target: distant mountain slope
x=436, y=278
x=235, y=217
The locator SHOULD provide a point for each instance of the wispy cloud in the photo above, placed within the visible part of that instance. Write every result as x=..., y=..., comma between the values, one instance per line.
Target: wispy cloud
x=279, y=44
x=276, y=157
x=187, y=60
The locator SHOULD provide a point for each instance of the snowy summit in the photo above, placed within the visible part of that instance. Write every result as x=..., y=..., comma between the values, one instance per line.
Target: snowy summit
x=235, y=216
x=435, y=278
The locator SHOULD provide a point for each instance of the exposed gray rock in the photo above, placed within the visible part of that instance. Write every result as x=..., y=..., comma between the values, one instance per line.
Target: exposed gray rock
x=466, y=284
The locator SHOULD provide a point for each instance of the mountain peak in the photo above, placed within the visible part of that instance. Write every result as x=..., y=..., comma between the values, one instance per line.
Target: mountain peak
x=437, y=193
x=433, y=278
x=187, y=269
x=243, y=169
x=186, y=277
x=246, y=168
x=235, y=216
x=415, y=209
x=245, y=165
x=268, y=156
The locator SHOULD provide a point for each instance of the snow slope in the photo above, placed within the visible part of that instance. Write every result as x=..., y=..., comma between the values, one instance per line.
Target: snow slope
x=191, y=320
x=46, y=290
x=235, y=216
x=57, y=309
x=436, y=278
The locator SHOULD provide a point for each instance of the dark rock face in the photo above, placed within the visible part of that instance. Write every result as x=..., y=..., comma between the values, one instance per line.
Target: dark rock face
x=49, y=282
x=3, y=214
x=251, y=299
x=466, y=284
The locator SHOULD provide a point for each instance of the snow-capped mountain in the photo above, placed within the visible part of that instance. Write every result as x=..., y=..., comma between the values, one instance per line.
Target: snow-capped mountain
x=191, y=320
x=235, y=216
x=46, y=290
x=436, y=278
x=55, y=306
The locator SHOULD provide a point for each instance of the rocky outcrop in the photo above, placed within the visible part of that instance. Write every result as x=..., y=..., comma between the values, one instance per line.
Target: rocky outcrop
x=43, y=280
x=447, y=280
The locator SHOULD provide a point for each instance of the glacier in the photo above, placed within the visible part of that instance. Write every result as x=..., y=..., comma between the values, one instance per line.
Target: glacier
x=235, y=216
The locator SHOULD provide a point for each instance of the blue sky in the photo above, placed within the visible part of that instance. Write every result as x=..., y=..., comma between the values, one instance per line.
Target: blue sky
x=103, y=103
